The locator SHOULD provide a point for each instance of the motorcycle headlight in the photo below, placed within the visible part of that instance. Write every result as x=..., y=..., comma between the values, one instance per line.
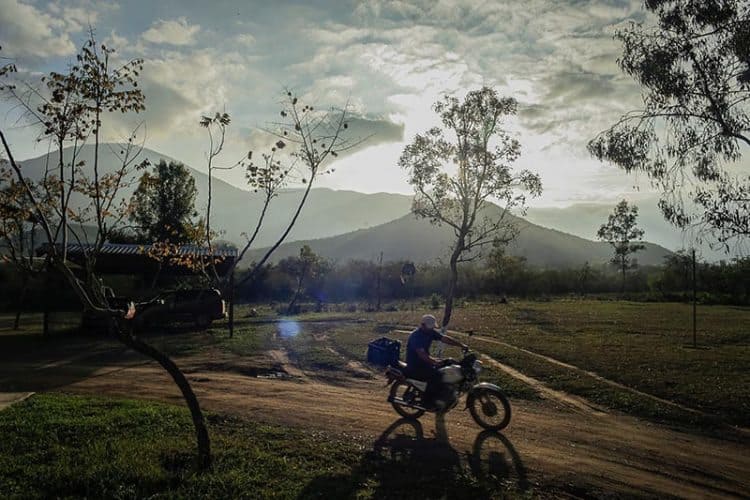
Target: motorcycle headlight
x=477, y=366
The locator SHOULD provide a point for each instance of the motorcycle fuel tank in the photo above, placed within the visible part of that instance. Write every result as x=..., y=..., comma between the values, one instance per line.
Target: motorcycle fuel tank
x=451, y=374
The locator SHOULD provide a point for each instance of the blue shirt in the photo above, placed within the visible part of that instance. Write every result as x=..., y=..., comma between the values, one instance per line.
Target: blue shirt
x=419, y=339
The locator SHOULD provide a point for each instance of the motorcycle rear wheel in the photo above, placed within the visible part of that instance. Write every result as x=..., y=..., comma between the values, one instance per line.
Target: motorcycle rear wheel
x=490, y=409
x=405, y=392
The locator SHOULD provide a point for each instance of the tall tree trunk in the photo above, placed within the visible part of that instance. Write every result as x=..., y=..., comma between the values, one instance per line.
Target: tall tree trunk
x=201, y=432
x=63, y=211
x=623, y=266
x=295, y=297
x=21, y=300
x=451, y=287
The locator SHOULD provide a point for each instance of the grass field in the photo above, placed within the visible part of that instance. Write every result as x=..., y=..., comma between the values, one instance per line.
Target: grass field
x=66, y=446
x=646, y=346
x=74, y=446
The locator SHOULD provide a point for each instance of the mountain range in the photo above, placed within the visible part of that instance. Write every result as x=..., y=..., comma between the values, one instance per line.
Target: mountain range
x=327, y=212
x=417, y=240
x=345, y=225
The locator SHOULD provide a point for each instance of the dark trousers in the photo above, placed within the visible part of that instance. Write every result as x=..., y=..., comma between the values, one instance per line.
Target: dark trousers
x=431, y=376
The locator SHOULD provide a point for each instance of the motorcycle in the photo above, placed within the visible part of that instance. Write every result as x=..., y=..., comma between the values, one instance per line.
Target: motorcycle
x=486, y=402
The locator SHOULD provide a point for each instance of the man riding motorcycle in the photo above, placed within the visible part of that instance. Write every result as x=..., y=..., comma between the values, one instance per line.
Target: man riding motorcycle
x=419, y=364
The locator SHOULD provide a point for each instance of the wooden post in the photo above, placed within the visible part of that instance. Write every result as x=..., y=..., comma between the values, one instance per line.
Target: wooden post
x=695, y=300
x=380, y=270
x=45, y=320
x=231, y=304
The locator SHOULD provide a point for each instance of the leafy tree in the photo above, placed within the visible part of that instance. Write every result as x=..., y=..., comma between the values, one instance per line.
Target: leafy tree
x=163, y=206
x=70, y=108
x=506, y=272
x=693, y=67
x=460, y=169
x=676, y=273
x=308, y=266
x=584, y=277
x=621, y=231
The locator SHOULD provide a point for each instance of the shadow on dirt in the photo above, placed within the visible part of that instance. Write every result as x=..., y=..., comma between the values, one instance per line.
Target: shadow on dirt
x=30, y=361
x=404, y=463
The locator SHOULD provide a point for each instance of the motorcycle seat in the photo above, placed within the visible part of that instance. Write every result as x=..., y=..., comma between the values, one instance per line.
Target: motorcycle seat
x=394, y=371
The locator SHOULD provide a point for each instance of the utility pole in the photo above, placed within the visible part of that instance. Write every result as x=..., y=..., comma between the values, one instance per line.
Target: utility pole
x=695, y=300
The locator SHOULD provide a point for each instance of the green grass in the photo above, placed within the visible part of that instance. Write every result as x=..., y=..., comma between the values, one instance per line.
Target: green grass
x=70, y=447
x=642, y=345
x=248, y=339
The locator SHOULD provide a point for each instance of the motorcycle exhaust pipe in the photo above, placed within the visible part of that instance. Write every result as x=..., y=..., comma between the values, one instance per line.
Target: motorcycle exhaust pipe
x=399, y=401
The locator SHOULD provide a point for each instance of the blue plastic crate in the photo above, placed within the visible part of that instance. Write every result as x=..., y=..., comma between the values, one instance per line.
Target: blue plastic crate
x=384, y=352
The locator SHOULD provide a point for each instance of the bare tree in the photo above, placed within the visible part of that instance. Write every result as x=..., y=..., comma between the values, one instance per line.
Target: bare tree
x=69, y=112
x=310, y=138
x=461, y=170
x=216, y=128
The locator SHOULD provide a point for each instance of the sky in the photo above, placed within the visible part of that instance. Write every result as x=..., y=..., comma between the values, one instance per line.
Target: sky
x=391, y=60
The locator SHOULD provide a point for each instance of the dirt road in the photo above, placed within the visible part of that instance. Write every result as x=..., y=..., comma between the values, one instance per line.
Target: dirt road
x=580, y=451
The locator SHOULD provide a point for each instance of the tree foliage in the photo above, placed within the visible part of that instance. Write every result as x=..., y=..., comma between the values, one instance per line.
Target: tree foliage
x=163, y=205
x=307, y=272
x=69, y=109
x=460, y=169
x=693, y=67
x=622, y=232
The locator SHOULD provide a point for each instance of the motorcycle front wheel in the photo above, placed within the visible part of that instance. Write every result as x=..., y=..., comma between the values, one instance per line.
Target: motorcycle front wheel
x=408, y=394
x=490, y=409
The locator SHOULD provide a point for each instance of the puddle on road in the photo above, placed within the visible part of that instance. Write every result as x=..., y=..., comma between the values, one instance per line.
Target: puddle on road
x=272, y=372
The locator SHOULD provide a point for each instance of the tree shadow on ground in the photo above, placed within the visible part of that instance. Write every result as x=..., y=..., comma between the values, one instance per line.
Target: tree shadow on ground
x=404, y=463
x=30, y=361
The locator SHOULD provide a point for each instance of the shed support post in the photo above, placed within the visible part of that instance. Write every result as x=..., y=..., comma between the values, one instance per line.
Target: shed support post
x=231, y=304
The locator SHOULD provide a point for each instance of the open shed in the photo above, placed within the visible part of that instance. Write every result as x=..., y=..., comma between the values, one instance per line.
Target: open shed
x=150, y=260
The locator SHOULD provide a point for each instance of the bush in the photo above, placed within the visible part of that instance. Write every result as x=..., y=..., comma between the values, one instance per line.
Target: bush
x=435, y=301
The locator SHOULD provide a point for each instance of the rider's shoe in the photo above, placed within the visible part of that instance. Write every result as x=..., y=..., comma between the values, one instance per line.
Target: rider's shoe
x=429, y=405
x=434, y=405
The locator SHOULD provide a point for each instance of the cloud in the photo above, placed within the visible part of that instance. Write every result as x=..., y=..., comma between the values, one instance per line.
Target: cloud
x=374, y=130
x=30, y=32
x=391, y=60
x=172, y=32
x=245, y=39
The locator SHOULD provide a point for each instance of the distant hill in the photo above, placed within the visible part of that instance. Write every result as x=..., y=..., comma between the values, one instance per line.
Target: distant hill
x=347, y=225
x=584, y=219
x=417, y=240
x=327, y=212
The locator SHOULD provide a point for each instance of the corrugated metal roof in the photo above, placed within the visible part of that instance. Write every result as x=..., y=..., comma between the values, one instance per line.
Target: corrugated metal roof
x=135, y=249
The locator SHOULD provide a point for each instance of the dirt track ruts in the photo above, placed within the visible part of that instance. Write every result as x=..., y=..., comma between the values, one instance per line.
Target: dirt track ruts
x=606, y=452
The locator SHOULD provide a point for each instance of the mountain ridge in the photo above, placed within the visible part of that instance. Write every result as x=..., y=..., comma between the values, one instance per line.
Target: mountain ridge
x=235, y=210
x=347, y=216
x=409, y=238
